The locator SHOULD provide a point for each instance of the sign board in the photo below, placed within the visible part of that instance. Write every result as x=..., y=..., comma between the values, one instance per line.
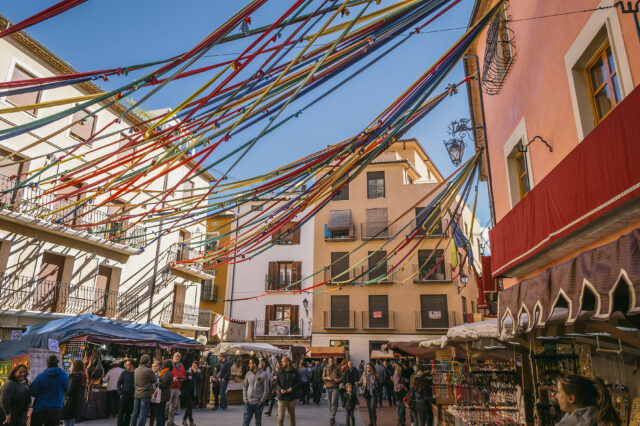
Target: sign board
x=377, y=314
x=53, y=345
x=228, y=330
x=435, y=315
x=201, y=337
x=279, y=328
x=38, y=361
x=16, y=334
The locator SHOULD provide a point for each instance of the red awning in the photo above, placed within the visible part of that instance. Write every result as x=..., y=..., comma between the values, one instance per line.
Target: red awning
x=486, y=284
x=599, y=175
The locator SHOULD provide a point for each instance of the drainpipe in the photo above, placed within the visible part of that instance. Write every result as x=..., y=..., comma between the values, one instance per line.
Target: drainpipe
x=152, y=285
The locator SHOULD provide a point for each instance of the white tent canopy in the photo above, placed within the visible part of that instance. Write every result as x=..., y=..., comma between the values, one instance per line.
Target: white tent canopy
x=471, y=331
x=242, y=348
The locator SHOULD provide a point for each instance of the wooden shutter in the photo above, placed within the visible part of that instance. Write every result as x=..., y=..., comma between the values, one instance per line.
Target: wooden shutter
x=23, y=99
x=379, y=311
x=377, y=266
x=296, y=275
x=101, y=294
x=434, y=311
x=339, y=311
x=296, y=235
x=293, y=318
x=272, y=276
x=83, y=129
x=339, y=266
x=179, y=293
x=268, y=314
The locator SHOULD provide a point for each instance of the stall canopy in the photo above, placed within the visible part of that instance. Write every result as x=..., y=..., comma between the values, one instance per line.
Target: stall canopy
x=472, y=331
x=241, y=348
x=93, y=328
x=326, y=352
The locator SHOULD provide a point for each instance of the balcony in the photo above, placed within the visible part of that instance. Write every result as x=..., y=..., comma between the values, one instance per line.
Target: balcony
x=346, y=234
x=179, y=313
x=194, y=269
x=279, y=329
x=339, y=320
x=378, y=320
x=32, y=294
x=435, y=319
x=32, y=202
x=441, y=229
x=375, y=230
x=432, y=273
x=208, y=291
x=376, y=273
x=340, y=278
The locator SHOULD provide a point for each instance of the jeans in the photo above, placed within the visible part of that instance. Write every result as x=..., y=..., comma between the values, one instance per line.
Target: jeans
x=46, y=418
x=351, y=419
x=378, y=395
x=402, y=411
x=172, y=405
x=252, y=410
x=223, y=394
x=371, y=407
x=304, y=394
x=161, y=414
x=391, y=396
x=332, y=396
x=140, y=411
x=68, y=422
x=188, y=408
x=290, y=407
x=317, y=392
x=126, y=407
x=112, y=403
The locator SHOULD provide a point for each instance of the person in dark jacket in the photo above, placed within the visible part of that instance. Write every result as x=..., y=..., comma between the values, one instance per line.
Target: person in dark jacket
x=350, y=375
x=48, y=390
x=274, y=391
x=224, y=376
x=316, y=382
x=215, y=387
x=73, y=399
x=165, y=378
x=388, y=383
x=14, y=397
x=422, y=394
x=125, y=389
x=350, y=401
x=287, y=385
x=191, y=391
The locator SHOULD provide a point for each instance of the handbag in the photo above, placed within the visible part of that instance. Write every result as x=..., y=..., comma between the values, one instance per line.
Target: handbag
x=156, y=397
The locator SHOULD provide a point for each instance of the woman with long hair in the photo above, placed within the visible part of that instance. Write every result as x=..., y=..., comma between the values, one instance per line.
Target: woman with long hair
x=421, y=397
x=370, y=382
x=400, y=391
x=14, y=397
x=585, y=402
x=73, y=399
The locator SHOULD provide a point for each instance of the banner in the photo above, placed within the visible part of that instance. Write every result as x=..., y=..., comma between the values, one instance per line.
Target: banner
x=228, y=330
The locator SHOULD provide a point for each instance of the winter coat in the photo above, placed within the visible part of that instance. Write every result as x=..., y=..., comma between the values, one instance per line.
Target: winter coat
x=15, y=401
x=330, y=375
x=73, y=399
x=350, y=376
x=192, y=385
x=287, y=378
x=225, y=371
x=126, y=383
x=144, y=379
x=48, y=389
x=255, y=388
x=164, y=383
x=316, y=375
x=350, y=400
x=178, y=371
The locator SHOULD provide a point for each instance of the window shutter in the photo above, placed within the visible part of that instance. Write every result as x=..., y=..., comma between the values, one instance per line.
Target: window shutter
x=272, y=275
x=268, y=313
x=296, y=236
x=293, y=319
x=296, y=274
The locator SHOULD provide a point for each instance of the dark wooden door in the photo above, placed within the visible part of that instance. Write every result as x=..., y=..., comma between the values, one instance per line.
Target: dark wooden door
x=339, y=311
x=434, y=312
x=379, y=311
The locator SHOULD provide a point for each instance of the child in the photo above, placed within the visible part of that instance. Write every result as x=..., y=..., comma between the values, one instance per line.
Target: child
x=349, y=403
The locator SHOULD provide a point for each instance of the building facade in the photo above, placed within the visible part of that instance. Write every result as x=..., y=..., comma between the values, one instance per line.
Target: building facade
x=283, y=317
x=426, y=296
x=59, y=260
x=558, y=101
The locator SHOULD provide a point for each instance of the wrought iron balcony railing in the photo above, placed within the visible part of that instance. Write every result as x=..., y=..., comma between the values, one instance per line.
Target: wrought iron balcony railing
x=383, y=320
x=339, y=320
x=434, y=271
x=274, y=328
x=375, y=230
x=179, y=254
x=179, y=313
x=348, y=234
x=435, y=319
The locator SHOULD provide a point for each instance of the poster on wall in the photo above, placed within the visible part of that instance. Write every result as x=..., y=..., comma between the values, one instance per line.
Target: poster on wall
x=228, y=330
x=38, y=361
x=435, y=314
x=279, y=328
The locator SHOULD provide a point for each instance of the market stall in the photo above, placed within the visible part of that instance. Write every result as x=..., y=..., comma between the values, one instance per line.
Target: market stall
x=320, y=352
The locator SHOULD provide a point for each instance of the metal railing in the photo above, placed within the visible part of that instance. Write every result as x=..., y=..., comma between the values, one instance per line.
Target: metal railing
x=342, y=320
x=179, y=313
x=340, y=278
x=32, y=201
x=271, y=283
x=205, y=318
x=441, y=273
x=379, y=320
x=342, y=235
x=435, y=319
x=438, y=232
x=208, y=291
x=27, y=293
x=273, y=328
x=375, y=230
x=376, y=273
x=177, y=254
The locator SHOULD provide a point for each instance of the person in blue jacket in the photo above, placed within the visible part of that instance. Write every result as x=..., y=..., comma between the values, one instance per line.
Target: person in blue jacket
x=48, y=390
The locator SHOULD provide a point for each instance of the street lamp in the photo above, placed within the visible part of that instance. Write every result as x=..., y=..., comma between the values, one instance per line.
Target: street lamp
x=455, y=148
x=464, y=279
x=166, y=274
x=458, y=130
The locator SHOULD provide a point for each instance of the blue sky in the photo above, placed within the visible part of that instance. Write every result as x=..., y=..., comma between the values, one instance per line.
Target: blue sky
x=105, y=34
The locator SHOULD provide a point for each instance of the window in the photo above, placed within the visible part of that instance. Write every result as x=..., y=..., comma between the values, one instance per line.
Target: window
x=377, y=223
x=339, y=226
x=52, y=288
x=429, y=217
x=284, y=235
x=187, y=188
x=375, y=185
x=431, y=264
x=464, y=305
x=378, y=311
x=518, y=173
x=523, y=176
x=339, y=264
x=602, y=80
x=127, y=152
x=23, y=99
x=433, y=311
x=85, y=127
x=378, y=265
x=473, y=307
x=340, y=311
x=342, y=194
x=283, y=274
x=281, y=313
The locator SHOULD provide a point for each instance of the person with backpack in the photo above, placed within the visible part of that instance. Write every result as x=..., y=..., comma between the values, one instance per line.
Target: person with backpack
x=48, y=391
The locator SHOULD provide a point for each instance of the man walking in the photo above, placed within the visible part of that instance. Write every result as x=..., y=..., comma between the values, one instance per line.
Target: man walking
x=255, y=391
x=381, y=375
x=111, y=380
x=305, y=378
x=48, y=389
x=179, y=376
x=331, y=378
x=224, y=375
x=125, y=389
x=144, y=378
x=351, y=375
x=316, y=382
x=388, y=383
x=287, y=383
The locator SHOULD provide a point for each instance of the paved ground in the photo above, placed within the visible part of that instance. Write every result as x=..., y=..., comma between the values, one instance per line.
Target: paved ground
x=387, y=416
x=305, y=415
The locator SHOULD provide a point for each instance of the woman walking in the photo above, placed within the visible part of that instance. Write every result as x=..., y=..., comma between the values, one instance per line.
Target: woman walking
x=421, y=396
x=274, y=377
x=14, y=397
x=400, y=392
x=153, y=406
x=73, y=399
x=215, y=387
x=165, y=378
x=191, y=391
x=369, y=382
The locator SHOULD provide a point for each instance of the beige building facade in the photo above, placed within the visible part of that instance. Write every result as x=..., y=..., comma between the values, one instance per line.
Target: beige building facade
x=425, y=296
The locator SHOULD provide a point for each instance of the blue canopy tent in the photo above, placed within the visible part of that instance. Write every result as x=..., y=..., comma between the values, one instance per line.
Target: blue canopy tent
x=92, y=328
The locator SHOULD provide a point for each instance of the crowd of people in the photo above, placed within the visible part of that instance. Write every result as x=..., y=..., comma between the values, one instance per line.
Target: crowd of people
x=157, y=388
